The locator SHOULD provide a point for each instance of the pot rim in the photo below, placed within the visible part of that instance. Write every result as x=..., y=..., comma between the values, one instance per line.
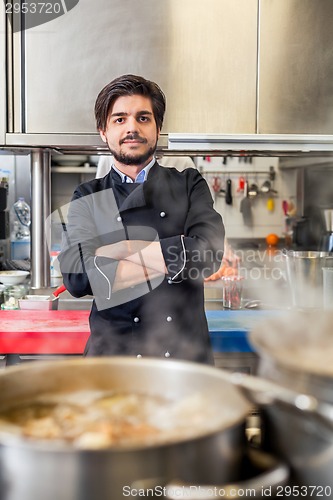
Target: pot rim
x=11, y=439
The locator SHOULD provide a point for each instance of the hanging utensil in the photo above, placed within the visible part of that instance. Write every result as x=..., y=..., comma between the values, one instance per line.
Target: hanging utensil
x=266, y=186
x=270, y=205
x=245, y=207
x=253, y=190
x=228, y=192
x=216, y=186
x=241, y=183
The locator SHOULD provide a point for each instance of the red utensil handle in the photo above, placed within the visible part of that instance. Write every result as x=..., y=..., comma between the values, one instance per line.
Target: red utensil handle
x=59, y=290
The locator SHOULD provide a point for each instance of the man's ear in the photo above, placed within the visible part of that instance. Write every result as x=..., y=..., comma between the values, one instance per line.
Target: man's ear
x=103, y=136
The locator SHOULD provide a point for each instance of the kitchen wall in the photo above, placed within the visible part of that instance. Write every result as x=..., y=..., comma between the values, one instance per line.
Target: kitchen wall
x=267, y=213
x=265, y=221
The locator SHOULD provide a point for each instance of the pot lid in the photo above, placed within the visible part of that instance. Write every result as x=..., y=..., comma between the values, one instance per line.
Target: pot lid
x=298, y=340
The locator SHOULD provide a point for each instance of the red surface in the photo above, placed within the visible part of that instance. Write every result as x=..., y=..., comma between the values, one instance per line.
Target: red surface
x=43, y=332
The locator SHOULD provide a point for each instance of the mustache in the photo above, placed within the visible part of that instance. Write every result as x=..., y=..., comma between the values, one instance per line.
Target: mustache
x=133, y=137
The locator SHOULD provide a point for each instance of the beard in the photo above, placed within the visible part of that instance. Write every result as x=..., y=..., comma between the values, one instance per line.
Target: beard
x=133, y=159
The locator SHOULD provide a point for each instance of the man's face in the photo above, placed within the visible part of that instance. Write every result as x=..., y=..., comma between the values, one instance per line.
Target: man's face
x=131, y=131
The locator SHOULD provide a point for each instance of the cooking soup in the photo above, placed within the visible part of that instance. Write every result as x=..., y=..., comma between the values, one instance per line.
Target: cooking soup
x=100, y=419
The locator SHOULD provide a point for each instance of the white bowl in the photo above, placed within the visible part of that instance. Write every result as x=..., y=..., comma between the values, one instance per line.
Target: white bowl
x=67, y=159
x=13, y=277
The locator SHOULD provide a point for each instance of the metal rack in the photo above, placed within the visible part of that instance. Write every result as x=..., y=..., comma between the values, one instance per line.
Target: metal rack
x=269, y=173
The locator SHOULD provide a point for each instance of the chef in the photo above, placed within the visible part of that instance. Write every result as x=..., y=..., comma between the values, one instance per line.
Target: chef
x=143, y=238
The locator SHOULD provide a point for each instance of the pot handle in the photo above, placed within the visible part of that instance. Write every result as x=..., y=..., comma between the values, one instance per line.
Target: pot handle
x=275, y=473
x=265, y=393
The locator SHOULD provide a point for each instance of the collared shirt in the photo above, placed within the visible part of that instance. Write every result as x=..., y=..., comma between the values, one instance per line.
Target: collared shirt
x=141, y=177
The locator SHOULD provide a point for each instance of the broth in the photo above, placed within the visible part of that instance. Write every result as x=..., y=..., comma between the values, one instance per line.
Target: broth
x=97, y=419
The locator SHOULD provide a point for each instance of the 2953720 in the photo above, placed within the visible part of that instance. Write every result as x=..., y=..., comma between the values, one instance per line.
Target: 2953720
x=304, y=491
x=33, y=8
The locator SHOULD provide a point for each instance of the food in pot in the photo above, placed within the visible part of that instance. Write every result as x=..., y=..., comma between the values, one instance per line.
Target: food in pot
x=97, y=419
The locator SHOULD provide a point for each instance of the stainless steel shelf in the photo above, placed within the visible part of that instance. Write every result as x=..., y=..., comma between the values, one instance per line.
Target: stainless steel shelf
x=73, y=170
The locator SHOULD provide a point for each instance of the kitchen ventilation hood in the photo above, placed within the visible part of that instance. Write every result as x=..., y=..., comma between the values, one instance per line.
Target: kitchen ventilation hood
x=252, y=144
x=235, y=81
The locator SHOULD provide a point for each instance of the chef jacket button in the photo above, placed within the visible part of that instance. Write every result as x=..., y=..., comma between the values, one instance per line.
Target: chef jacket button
x=136, y=319
x=139, y=355
x=169, y=318
x=162, y=214
x=119, y=219
x=167, y=354
x=169, y=281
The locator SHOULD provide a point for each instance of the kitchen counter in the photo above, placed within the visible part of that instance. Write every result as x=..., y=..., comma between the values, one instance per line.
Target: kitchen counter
x=43, y=332
x=38, y=333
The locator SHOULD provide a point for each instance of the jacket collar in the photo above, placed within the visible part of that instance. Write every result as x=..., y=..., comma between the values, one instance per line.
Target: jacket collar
x=136, y=198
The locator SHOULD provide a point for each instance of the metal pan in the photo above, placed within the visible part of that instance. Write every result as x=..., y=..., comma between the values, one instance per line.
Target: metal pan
x=38, y=469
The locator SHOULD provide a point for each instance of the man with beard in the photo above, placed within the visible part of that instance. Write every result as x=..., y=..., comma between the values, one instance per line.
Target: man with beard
x=143, y=238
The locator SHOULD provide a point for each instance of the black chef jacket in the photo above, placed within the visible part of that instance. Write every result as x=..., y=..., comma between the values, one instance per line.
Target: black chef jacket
x=167, y=318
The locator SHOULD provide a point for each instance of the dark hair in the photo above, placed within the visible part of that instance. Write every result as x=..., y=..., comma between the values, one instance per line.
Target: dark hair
x=128, y=85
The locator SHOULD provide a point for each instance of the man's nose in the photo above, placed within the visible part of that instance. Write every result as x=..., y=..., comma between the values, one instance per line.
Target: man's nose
x=132, y=125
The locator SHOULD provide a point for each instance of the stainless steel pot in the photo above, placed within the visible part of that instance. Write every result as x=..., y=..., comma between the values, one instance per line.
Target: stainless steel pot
x=299, y=429
x=295, y=351
x=305, y=277
x=33, y=470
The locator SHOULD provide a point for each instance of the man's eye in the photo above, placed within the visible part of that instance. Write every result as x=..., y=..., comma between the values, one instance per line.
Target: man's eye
x=119, y=120
x=144, y=118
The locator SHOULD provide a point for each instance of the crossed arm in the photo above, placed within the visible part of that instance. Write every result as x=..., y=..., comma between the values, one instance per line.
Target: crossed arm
x=138, y=261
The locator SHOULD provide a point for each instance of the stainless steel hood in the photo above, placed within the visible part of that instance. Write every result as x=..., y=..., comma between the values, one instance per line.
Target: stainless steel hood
x=253, y=144
x=239, y=75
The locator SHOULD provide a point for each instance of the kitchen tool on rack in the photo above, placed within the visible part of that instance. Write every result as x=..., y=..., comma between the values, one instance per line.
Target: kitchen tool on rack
x=253, y=190
x=241, y=183
x=266, y=186
x=285, y=207
x=216, y=186
x=270, y=204
x=246, y=208
x=228, y=192
x=208, y=454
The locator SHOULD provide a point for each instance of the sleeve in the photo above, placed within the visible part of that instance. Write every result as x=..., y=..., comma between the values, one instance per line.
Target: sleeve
x=83, y=272
x=198, y=252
